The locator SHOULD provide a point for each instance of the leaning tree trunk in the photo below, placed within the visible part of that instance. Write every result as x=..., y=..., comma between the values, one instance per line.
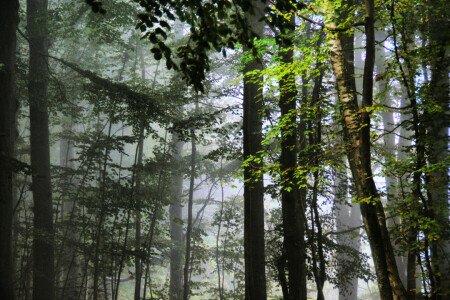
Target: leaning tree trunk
x=8, y=23
x=254, y=257
x=292, y=214
x=43, y=255
x=356, y=126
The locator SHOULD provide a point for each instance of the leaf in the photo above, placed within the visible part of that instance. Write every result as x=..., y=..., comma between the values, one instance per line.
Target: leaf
x=161, y=32
x=158, y=55
x=164, y=24
x=153, y=38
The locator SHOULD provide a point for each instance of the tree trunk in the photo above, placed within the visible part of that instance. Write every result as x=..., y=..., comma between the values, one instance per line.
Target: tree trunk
x=187, y=258
x=390, y=147
x=176, y=230
x=43, y=255
x=255, y=277
x=8, y=24
x=357, y=138
x=346, y=218
x=70, y=266
x=137, y=225
x=438, y=130
x=293, y=218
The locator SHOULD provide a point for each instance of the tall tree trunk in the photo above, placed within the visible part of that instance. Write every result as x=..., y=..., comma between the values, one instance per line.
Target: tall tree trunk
x=71, y=265
x=346, y=218
x=357, y=138
x=254, y=257
x=138, y=197
x=187, y=258
x=438, y=130
x=8, y=24
x=98, y=244
x=137, y=224
x=176, y=230
x=43, y=245
x=390, y=147
x=409, y=262
x=293, y=217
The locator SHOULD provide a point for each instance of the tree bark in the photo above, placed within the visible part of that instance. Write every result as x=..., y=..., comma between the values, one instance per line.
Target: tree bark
x=357, y=139
x=254, y=257
x=292, y=213
x=438, y=130
x=8, y=24
x=43, y=244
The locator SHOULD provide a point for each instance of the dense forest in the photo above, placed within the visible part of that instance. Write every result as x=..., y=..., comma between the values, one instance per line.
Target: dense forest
x=224, y=149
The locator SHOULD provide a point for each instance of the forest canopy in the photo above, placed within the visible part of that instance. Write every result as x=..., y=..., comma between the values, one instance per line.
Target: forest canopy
x=224, y=149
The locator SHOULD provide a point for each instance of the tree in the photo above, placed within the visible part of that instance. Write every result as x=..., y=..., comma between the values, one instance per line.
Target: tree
x=356, y=127
x=438, y=130
x=43, y=244
x=70, y=261
x=176, y=233
x=187, y=258
x=8, y=23
x=117, y=209
x=292, y=199
x=255, y=279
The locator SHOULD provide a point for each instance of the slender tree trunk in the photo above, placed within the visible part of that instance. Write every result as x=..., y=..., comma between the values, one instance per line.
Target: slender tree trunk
x=137, y=258
x=71, y=266
x=187, y=258
x=8, y=23
x=293, y=218
x=357, y=137
x=43, y=245
x=346, y=217
x=255, y=277
x=219, y=227
x=101, y=219
x=176, y=229
x=137, y=225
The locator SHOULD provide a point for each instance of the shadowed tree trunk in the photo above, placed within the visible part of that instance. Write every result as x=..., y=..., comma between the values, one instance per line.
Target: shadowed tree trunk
x=137, y=224
x=255, y=277
x=293, y=218
x=43, y=235
x=8, y=23
x=438, y=130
